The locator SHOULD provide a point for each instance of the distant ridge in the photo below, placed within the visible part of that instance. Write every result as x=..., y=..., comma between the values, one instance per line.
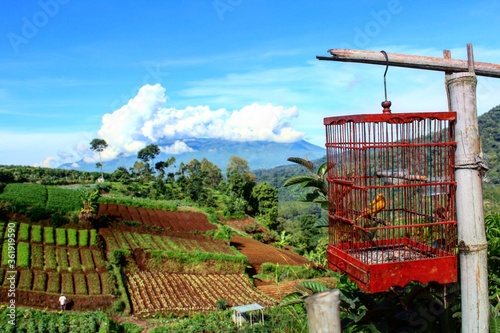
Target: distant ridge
x=259, y=154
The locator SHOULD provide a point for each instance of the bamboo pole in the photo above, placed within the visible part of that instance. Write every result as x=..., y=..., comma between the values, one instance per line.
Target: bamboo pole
x=323, y=312
x=411, y=61
x=469, y=195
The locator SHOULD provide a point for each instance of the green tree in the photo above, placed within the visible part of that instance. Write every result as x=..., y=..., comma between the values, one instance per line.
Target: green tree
x=265, y=202
x=149, y=153
x=240, y=180
x=99, y=145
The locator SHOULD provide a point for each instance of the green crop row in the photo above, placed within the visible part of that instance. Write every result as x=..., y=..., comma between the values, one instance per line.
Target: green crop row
x=36, y=233
x=72, y=237
x=61, y=236
x=63, y=199
x=25, y=194
x=24, y=232
x=23, y=254
x=52, y=198
x=48, y=235
x=139, y=202
x=93, y=237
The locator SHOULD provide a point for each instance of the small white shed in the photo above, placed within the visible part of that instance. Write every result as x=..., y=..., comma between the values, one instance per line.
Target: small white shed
x=248, y=312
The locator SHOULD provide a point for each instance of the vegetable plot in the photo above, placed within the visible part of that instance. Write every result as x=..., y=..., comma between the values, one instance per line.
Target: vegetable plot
x=153, y=292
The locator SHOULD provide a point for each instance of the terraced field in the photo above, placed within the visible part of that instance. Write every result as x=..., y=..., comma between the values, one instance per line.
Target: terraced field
x=51, y=261
x=172, y=221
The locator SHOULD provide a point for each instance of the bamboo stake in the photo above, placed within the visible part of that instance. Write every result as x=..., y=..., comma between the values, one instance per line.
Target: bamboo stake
x=323, y=312
x=411, y=61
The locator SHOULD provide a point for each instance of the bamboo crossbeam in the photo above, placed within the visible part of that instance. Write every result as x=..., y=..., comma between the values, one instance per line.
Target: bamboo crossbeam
x=412, y=61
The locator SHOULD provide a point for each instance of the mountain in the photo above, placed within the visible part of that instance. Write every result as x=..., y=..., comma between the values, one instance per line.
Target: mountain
x=259, y=154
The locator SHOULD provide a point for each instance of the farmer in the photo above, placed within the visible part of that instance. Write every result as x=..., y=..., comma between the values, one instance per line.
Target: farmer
x=62, y=301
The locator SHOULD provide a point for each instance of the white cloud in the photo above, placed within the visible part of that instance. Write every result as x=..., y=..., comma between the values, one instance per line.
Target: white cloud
x=177, y=147
x=145, y=119
x=49, y=162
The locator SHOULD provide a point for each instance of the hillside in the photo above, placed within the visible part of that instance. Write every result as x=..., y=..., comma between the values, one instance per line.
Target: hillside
x=489, y=130
x=259, y=154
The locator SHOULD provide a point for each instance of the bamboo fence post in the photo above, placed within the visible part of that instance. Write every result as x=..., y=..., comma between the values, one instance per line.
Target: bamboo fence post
x=323, y=312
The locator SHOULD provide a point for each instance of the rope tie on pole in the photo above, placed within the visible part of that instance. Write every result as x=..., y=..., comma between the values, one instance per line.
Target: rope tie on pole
x=478, y=164
x=464, y=248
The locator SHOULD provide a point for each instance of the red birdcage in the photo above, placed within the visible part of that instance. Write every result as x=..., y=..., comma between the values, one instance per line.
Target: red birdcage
x=391, y=187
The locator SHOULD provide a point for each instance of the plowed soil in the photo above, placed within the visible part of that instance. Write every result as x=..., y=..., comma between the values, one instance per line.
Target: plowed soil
x=259, y=253
x=171, y=221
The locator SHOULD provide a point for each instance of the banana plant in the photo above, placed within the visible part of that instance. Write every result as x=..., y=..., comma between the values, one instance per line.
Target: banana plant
x=302, y=291
x=90, y=204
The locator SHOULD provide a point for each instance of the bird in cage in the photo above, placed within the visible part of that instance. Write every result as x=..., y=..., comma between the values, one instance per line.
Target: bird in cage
x=376, y=206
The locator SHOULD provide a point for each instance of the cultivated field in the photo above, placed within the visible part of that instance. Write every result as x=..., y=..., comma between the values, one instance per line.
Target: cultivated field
x=152, y=292
x=157, y=244
x=170, y=221
x=51, y=261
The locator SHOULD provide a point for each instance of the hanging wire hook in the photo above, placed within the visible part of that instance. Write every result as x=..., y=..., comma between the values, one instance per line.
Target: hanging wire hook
x=386, y=104
x=386, y=68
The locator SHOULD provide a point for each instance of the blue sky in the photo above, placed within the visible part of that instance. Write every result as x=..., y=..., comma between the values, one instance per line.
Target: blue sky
x=133, y=72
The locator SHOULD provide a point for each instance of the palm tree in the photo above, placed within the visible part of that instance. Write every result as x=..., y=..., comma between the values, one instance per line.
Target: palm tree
x=315, y=180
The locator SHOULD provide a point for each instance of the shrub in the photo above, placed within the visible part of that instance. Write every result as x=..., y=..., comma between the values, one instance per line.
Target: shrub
x=60, y=236
x=59, y=219
x=221, y=304
x=23, y=254
x=36, y=213
x=36, y=233
x=118, y=257
x=83, y=237
x=118, y=306
x=72, y=237
x=48, y=235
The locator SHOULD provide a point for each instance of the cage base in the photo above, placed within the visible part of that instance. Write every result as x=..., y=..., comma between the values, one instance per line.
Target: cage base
x=377, y=267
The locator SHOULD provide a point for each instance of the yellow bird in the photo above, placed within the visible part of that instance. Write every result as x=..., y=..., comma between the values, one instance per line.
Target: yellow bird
x=376, y=206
